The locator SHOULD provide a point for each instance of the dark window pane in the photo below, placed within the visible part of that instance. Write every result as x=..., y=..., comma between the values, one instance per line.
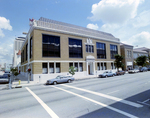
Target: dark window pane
x=101, y=50
x=113, y=51
x=57, y=67
x=51, y=67
x=44, y=66
x=75, y=48
x=51, y=46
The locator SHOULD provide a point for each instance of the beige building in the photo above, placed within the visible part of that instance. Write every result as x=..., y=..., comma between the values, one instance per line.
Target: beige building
x=51, y=47
x=127, y=53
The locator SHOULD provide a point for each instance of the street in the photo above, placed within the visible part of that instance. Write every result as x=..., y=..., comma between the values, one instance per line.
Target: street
x=113, y=97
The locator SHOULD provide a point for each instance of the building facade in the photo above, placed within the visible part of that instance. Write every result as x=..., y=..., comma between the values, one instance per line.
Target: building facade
x=127, y=53
x=17, y=50
x=51, y=47
x=143, y=51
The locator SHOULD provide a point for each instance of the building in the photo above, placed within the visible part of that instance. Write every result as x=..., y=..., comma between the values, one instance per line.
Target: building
x=17, y=52
x=51, y=47
x=127, y=52
x=143, y=51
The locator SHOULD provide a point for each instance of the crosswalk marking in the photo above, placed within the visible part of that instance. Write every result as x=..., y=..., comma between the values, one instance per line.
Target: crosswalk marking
x=50, y=112
x=99, y=103
x=108, y=96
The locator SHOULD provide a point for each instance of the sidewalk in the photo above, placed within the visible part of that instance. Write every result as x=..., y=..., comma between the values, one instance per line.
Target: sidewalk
x=24, y=82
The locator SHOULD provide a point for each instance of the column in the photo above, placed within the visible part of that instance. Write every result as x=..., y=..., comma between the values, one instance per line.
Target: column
x=48, y=67
x=78, y=67
x=100, y=65
x=54, y=67
x=94, y=68
x=86, y=68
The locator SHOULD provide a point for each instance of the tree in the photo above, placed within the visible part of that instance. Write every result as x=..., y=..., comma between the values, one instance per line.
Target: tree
x=141, y=61
x=72, y=70
x=14, y=72
x=118, y=61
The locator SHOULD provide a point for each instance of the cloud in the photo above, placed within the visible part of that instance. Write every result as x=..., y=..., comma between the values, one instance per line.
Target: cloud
x=92, y=26
x=142, y=20
x=115, y=11
x=141, y=39
x=4, y=24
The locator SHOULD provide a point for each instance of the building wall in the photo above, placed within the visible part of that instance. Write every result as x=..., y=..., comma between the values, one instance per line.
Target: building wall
x=64, y=53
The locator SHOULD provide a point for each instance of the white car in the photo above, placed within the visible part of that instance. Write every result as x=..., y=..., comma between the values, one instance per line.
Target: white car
x=133, y=71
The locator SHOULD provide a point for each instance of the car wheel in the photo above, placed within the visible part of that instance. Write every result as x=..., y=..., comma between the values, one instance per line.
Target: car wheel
x=69, y=81
x=54, y=83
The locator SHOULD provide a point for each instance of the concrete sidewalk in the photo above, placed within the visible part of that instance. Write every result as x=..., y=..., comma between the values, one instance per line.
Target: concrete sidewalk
x=24, y=82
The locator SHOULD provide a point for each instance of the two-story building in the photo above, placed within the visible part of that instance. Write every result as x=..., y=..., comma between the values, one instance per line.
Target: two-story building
x=51, y=47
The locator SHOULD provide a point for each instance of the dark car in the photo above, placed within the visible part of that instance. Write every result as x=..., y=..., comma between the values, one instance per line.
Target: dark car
x=148, y=69
x=143, y=69
x=120, y=72
x=4, y=79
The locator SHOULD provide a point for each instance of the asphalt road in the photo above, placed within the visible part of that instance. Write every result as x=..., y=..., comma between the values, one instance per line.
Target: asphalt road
x=113, y=97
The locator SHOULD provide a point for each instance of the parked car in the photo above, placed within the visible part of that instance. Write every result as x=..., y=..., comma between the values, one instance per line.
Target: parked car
x=142, y=69
x=107, y=74
x=120, y=72
x=148, y=69
x=60, y=79
x=6, y=74
x=133, y=71
x=4, y=79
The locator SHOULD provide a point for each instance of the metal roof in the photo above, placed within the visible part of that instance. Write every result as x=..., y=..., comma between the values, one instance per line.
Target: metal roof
x=65, y=27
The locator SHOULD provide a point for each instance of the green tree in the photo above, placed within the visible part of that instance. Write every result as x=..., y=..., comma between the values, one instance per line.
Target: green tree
x=118, y=61
x=141, y=61
x=14, y=72
x=72, y=70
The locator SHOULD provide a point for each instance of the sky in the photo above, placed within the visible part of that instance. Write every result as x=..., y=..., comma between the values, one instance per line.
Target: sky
x=128, y=20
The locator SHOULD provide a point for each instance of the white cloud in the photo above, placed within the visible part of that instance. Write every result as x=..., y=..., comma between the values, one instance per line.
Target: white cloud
x=4, y=24
x=142, y=20
x=140, y=39
x=92, y=26
x=115, y=11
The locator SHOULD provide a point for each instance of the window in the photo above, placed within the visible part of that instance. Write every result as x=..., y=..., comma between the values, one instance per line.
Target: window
x=101, y=66
x=51, y=67
x=23, y=55
x=80, y=67
x=75, y=48
x=51, y=46
x=57, y=67
x=44, y=66
x=70, y=64
x=76, y=67
x=105, y=66
x=90, y=48
x=26, y=51
x=101, y=50
x=31, y=48
x=113, y=51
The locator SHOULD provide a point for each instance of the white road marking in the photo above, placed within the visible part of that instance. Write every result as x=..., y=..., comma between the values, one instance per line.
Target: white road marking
x=113, y=92
x=99, y=103
x=50, y=112
x=108, y=96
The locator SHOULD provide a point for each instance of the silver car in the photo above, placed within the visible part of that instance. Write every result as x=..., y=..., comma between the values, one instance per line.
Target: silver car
x=107, y=74
x=60, y=79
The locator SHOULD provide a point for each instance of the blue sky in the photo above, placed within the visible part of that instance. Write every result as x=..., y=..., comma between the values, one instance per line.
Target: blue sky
x=128, y=20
